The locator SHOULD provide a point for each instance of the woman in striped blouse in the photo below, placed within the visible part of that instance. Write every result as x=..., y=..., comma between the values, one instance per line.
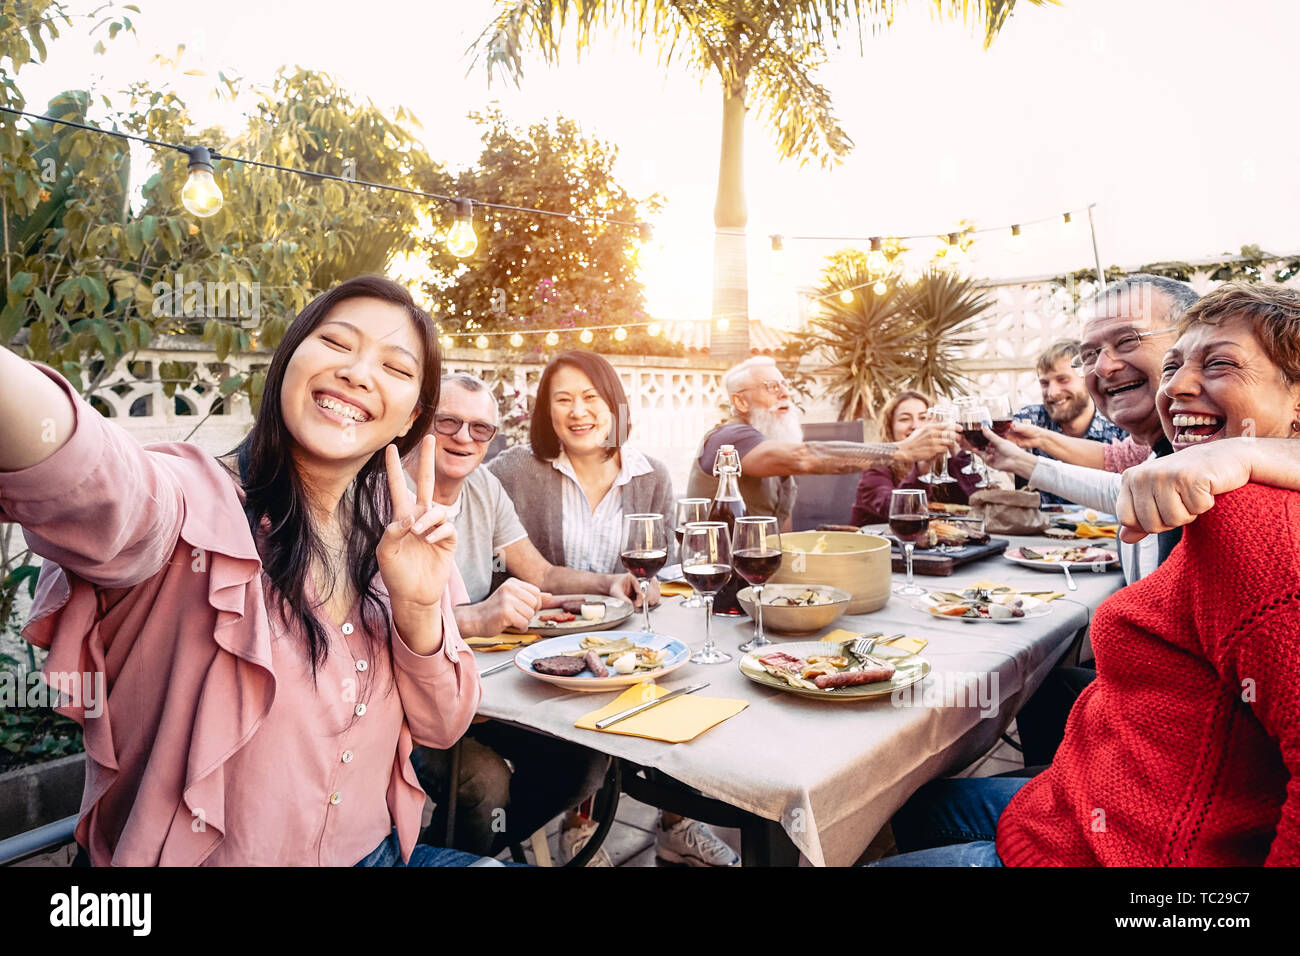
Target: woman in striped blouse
x=580, y=461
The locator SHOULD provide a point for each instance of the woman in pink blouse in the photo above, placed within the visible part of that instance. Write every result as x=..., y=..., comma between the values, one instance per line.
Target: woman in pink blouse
x=274, y=629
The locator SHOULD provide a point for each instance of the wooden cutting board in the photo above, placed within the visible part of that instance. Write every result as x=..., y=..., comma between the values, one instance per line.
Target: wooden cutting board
x=931, y=561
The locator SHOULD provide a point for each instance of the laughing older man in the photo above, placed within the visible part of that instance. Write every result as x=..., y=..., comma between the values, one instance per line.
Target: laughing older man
x=766, y=430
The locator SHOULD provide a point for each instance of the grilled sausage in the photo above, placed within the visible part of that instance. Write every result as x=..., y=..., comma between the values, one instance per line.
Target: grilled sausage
x=595, y=664
x=868, y=675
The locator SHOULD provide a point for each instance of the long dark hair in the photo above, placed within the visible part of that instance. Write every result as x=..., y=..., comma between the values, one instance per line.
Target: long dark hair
x=274, y=490
x=541, y=430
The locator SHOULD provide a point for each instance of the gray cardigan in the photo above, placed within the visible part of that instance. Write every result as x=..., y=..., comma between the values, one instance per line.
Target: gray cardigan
x=536, y=489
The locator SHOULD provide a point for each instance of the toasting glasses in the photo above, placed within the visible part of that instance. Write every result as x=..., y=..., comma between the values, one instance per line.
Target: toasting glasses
x=938, y=472
x=706, y=564
x=645, y=551
x=973, y=417
x=756, y=556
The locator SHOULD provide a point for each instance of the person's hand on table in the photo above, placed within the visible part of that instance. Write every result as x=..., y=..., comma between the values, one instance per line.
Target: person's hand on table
x=930, y=440
x=1166, y=493
x=511, y=606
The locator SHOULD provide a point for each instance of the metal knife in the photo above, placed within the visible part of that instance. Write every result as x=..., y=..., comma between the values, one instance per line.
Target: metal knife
x=625, y=714
x=496, y=667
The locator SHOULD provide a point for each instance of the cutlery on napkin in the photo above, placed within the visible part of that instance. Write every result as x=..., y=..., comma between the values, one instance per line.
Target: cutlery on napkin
x=1041, y=595
x=911, y=645
x=677, y=721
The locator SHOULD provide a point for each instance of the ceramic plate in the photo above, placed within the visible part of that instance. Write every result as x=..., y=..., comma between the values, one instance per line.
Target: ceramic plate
x=678, y=654
x=1033, y=608
x=910, y=668
x=617, y=610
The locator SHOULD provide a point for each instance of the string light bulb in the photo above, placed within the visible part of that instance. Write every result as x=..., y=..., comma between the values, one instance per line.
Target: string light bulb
x=481, y=341
x=1067, y=218
x=847, y=296
x=880, y=288
x=201, y=195
x=447, y=341
x=647, y=233
x=778, y=243
x=653, y=330
x=461, y=240
x=552, y=338
x=585, y=337
x=516, y=340
x=620, y=334
x=877, y=264
x=1017, y=243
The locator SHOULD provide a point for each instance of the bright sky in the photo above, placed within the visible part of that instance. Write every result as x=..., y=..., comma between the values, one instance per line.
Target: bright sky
x=1169, y=114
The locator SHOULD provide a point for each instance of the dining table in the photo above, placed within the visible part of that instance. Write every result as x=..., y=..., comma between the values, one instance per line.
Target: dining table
x=818, y=779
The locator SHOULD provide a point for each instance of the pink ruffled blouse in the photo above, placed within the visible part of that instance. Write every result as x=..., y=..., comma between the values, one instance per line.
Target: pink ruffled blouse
x=214, y=746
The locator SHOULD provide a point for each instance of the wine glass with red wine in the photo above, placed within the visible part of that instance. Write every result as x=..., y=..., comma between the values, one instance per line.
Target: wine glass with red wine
x=706, y=564
x=686, y=511
x=909, y=520
x=756, y=556
x=645, y=551
x=973, y=418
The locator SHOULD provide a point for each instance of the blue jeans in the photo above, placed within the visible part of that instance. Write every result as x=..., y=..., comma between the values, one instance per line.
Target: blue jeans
x=389, y=853
x=952, y=822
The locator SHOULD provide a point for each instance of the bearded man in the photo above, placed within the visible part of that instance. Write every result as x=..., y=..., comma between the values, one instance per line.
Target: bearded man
x=1067, y=408
x=767, y=432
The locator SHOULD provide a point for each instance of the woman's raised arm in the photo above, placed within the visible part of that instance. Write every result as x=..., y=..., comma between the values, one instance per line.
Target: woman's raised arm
x=37, y=414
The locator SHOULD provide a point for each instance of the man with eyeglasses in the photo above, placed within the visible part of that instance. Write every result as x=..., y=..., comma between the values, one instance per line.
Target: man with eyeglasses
x=489, y=535
x=766, y=430
x=1129, y=328
x=1067, y=409
x=511, y=781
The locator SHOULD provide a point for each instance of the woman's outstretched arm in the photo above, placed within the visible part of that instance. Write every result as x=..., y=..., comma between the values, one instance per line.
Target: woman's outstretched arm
x=37, y=415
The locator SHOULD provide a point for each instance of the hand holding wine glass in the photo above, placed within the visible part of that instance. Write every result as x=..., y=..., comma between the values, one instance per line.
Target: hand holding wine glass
x=706, y=564
x=645, y=551
x=756, y=556
x=909, y=519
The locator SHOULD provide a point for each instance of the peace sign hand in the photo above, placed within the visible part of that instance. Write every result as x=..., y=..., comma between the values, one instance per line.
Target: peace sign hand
x=418, y=548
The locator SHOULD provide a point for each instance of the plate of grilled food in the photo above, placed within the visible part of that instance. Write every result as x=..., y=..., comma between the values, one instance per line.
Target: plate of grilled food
x=1053, y=559
x=982, y=605
x=605, y=661
x=580, y=613
x=828, y=670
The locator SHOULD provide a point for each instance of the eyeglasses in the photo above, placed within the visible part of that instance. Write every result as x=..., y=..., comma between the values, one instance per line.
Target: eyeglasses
x=773, y=388
x=450, y=425
x=1127, y=343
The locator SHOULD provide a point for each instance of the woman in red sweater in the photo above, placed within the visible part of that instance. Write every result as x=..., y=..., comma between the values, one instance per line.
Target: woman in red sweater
x=1186, y=748
x=900, y=417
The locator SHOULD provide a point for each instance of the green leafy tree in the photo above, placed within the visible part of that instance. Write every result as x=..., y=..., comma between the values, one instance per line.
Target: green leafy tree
x=530, y=273
x=765, y=54
x=875, y=345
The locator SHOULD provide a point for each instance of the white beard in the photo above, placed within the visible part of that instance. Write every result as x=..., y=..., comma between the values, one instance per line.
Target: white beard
x=787, y=427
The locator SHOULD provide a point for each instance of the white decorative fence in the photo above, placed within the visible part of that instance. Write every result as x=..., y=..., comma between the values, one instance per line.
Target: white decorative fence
x=673, y=401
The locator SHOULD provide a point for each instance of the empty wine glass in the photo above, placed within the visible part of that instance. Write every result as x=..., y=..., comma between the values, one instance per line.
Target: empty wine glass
x=938, y=471
x=909, y=519
x=686, y=511
x=645, y=551
x=706, y=564
x=756, y=556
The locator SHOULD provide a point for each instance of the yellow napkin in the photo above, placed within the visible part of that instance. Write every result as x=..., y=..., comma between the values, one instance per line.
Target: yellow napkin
x=910, y=645
x=501, y=642
x=1095, y=530
x=675, y=589
x=1041, y=595
x=681, y=719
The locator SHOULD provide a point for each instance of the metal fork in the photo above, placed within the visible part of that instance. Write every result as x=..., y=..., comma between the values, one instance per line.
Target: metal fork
x=861, y=648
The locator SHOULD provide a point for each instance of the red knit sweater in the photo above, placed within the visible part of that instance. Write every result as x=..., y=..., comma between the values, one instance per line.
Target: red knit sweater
x=1186, y=748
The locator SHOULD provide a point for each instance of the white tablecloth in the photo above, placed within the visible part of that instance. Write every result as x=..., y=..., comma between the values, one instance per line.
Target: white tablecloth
x=833, y=773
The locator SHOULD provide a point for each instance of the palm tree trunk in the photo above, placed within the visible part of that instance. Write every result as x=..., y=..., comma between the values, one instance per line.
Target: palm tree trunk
x=730, y=267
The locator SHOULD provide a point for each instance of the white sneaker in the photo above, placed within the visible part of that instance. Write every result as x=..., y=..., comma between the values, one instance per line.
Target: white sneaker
x=574, y=839
x=692, y=843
